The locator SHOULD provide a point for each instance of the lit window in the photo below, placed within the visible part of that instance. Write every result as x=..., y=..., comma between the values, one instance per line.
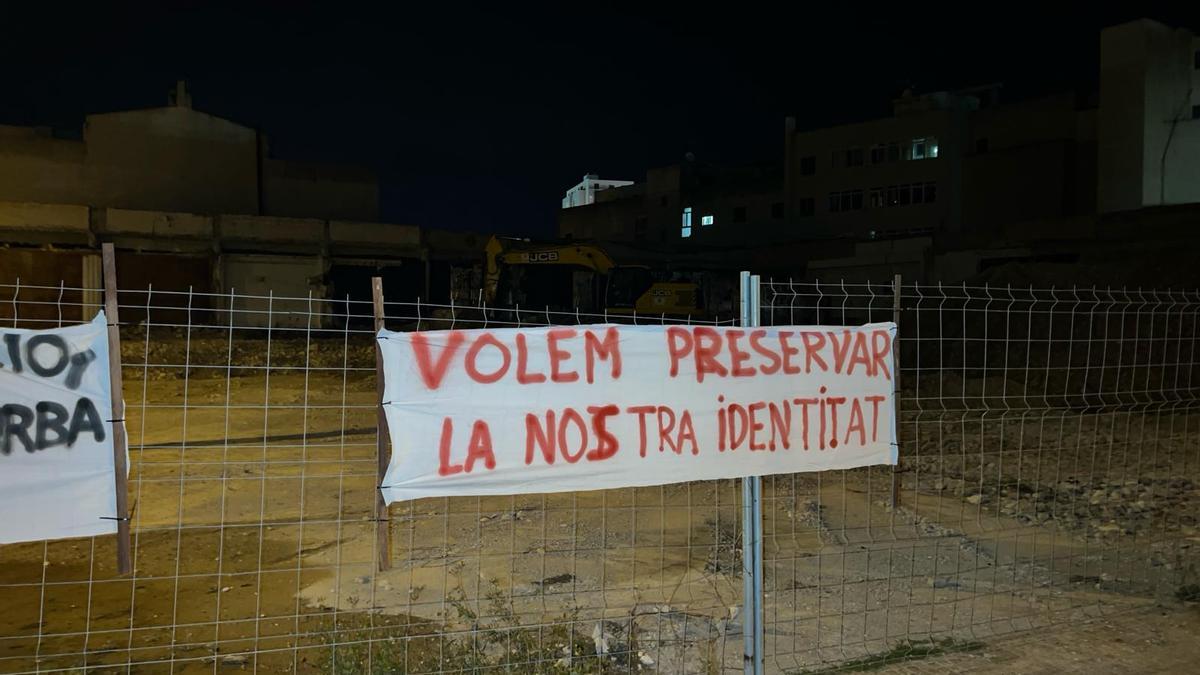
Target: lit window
x=686, y=227
x=685, y=232
x=932, y=151
x=918, y=149
x=706, y=220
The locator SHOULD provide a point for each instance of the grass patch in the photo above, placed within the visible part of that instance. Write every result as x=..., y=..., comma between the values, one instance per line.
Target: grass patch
x=497, y=642
x=909, y=650
x=1188, y=593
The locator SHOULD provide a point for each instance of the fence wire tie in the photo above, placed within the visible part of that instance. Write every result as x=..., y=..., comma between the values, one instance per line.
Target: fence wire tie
x=124, y=519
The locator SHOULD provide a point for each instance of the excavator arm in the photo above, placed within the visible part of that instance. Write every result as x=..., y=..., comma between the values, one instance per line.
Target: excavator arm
x=506, y=252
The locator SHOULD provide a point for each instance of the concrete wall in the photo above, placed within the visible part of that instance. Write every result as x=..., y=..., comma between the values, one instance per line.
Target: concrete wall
x=308, y=190
x=1149, y=145
x=31, y=223
x=177, y=159
x=283, y=284
x=34, y=166
x=171, y=159
x=875, y=261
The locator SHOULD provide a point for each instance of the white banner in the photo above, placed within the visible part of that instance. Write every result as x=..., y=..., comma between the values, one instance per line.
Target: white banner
x=56, y=452
x=508, y=411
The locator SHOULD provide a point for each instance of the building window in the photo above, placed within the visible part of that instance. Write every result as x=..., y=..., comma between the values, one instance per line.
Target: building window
x=878, y=154
x=981, y=146
x=706, y=220
x=808, y=165
x=893, y=152
x=739, y=214
x=932, y=150
x=847, y=200
x=777, y=211
x=639, y=228
x=904, y=195
x=806, y=207
x=1196, y=60
x=686, y=226
x=918, y=149
x=1196, y=112
x=918, y=194
x=833, y=159
x=854, y=157
x=876, y=198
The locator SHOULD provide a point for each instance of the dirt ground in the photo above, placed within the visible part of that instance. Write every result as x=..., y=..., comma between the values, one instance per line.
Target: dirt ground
x=1159, y=640
x=253, y=510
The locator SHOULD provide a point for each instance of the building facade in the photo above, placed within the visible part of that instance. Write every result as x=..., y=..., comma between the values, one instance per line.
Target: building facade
x=191, y=200
x=176, y=158
x=1149, y=120
x=951, y=165
x=683, y=206
x=585, y=192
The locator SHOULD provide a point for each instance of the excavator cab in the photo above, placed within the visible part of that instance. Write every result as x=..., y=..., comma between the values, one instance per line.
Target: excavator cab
x=582, y=277
x=642, y=290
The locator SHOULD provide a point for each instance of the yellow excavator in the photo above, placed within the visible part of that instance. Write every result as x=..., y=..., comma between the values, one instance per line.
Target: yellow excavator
x=566, y=276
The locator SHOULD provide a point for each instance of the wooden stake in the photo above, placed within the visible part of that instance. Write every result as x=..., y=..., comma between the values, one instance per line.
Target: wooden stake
x=120, y=442
x=382, y=525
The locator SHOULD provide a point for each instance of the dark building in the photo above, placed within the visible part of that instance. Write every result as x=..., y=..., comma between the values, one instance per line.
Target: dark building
x=961, y=166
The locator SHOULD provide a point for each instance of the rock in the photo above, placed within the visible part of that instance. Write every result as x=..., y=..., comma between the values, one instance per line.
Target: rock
x=977, y=498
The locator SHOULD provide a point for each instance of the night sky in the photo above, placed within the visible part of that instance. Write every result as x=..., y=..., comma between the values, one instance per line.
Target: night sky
x=481, y=117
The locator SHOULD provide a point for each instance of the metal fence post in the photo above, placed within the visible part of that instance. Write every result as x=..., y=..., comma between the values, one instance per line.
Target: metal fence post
x=120, y=441
x=383, y=529
x=896, y=286
x=752, y=571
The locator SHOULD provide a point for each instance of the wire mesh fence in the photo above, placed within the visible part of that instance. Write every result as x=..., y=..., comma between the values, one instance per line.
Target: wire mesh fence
x=252, y=488
x=1048, y=471
x=1048, y=459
